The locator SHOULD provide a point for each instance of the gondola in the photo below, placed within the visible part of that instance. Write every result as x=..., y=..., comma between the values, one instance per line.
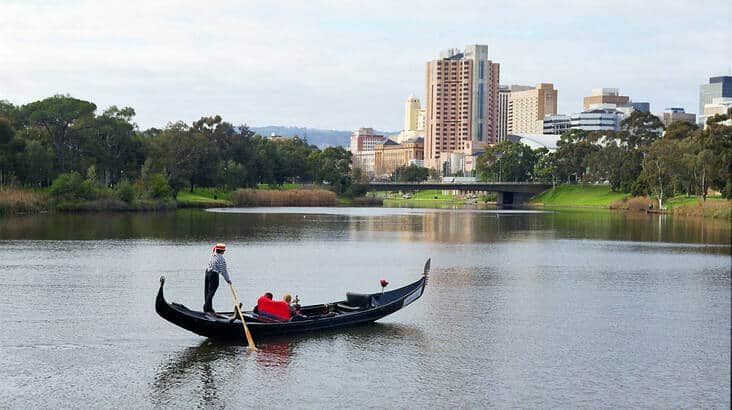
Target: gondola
x=355, y=309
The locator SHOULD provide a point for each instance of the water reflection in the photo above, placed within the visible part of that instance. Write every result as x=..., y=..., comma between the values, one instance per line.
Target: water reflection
x=202, y=365
x=432, y=225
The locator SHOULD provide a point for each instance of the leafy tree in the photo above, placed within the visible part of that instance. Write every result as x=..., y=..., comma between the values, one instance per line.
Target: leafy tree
x=11, y=149
x=573, y=148
x=659, y=165
x=333, y=166
x=411, y=173
x=507, y=161
x=59, y=115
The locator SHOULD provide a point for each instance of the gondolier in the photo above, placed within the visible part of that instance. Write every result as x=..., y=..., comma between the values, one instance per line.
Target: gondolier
x=216, y=267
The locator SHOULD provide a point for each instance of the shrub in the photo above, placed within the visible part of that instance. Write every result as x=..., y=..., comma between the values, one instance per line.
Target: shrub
x=124, y=191
x=71, y=187
x=637, y=203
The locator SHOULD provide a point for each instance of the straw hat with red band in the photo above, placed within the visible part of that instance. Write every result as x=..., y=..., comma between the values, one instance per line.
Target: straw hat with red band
x=219, y=247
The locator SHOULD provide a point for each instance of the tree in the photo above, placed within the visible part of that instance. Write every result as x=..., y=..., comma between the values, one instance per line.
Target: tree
x=640, y=129
x=507, y=161
x=333, y=166
x=110, y=144
x=411, y=173
x=573, y=149
x=659, y=166
x=59, y=115
x=11, y=149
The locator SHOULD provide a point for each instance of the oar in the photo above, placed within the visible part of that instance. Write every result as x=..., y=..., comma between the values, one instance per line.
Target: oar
x=250, y=341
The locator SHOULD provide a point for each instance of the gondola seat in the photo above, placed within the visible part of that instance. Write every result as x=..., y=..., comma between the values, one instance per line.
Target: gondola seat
x=360, y=300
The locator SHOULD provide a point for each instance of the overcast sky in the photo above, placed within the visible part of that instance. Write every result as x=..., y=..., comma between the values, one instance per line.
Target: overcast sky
x=342, y=64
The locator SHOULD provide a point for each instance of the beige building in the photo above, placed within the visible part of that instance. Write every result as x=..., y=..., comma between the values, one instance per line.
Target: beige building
x=391, y=155
x=503, y=93
x=605, y=96
x=677, y=114
x=413, y=121
x=719, y=105
x=527, y=108
x=462, y=104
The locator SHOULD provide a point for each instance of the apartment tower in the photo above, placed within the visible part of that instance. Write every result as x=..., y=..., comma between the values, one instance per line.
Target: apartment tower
x=504, y=92
x=526, y=109
x=462, y=104
x=411, y=113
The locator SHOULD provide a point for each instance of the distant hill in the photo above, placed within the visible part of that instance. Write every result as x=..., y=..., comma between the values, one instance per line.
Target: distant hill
x=315, y=136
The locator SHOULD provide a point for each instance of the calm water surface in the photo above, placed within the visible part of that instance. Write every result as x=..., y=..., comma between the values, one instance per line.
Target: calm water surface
x=523, y=309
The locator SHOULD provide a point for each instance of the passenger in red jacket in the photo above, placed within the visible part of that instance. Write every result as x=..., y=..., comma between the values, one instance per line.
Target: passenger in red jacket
x=276, y=309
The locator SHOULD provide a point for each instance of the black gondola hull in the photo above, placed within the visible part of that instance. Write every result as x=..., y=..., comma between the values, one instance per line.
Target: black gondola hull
x=221, y=328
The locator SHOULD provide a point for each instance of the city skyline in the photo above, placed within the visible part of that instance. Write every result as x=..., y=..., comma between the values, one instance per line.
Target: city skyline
x=346, y=65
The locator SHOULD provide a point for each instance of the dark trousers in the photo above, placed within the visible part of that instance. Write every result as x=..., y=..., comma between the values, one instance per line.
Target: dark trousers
x=210, y=286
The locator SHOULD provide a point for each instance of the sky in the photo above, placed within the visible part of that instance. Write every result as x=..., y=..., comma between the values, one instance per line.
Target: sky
x=345, y=64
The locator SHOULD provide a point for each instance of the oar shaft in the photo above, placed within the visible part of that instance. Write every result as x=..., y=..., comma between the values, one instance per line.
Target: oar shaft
x=250, y=341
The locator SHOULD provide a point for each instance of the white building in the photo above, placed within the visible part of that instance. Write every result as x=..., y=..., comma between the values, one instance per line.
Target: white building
x=719, y=105
x=598, y=119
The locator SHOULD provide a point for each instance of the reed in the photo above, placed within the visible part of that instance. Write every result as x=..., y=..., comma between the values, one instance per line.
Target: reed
x=294, y=197
x=13, y=200
x=636, y=203
x=711, y=208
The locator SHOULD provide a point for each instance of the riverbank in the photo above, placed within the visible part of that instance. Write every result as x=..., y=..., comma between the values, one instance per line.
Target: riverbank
x=601, y=196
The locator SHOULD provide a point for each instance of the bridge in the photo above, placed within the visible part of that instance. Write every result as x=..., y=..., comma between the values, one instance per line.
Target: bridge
x=509, y=193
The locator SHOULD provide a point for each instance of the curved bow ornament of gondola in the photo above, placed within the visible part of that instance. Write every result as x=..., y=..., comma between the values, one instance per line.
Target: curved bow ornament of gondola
x=356, y=309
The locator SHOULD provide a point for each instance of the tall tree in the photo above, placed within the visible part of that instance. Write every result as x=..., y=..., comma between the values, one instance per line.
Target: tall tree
x=58, y=115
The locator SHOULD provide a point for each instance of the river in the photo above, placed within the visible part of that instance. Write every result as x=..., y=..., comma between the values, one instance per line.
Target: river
x=523, y=309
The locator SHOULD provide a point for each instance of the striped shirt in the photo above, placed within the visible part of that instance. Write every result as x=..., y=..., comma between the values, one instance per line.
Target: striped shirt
x=217, y=264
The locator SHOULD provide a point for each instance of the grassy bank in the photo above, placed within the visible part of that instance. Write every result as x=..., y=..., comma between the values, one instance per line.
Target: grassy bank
x=203, y=198
x=598, y=196
x=17, y=201
x=426, y=198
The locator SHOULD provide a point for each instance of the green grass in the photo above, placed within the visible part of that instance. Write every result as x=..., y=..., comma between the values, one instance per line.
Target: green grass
x=579, y=195
x=426, y=195
x=283, y=187
x=683, y=200
x=203, y=197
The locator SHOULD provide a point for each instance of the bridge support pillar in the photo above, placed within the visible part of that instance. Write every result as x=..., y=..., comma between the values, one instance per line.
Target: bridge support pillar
x=512, y=199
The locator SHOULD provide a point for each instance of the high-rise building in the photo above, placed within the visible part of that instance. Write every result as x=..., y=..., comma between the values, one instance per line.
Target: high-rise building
x=462, y=104
x=718, y=87
x=504, y=91
x=526, y=109
x=676, y=114
x=605, y=96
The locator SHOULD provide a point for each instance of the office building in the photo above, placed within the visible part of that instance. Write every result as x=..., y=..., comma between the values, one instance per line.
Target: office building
x=462, y=104
x=526, y=109
x=604, y=96
x=504, y=91
x=676, y=114
x=718, y=87
x=598, y=119
x=556, y=124
x=720, y=105
x=641, y=106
